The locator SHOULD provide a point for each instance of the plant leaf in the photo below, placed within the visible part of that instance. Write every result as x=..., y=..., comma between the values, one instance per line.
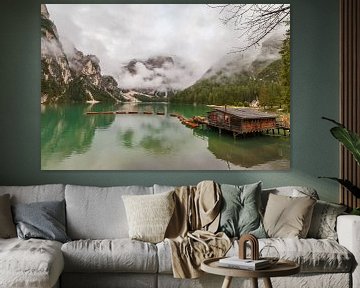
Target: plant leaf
x=333, y=121
x=347, y=184
x=348, y=138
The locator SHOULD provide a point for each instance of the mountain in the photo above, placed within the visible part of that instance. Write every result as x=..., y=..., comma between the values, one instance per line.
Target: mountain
x=157, y=77
x=249, y=63
x=71, y=76
x=158, y=62
x=238, y=79
x=55, y=69
x=88, y=82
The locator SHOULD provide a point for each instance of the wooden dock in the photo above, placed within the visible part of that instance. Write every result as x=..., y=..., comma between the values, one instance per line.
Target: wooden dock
x=280, y=127
x=188, y=122
x=124, y=112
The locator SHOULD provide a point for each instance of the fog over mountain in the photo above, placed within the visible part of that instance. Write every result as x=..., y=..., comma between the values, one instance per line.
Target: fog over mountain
x=232, y=63
x=191, y=34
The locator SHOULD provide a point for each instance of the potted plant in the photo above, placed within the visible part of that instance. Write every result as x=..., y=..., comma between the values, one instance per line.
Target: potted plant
x=351, y=141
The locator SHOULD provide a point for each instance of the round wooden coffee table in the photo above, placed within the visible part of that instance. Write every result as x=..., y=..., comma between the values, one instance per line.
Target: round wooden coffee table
x=281, y=268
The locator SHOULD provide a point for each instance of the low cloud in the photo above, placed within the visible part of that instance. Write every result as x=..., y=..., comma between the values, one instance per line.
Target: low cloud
x=176, y=75
x=237, y=62
x=117, y=33
x=51, y=48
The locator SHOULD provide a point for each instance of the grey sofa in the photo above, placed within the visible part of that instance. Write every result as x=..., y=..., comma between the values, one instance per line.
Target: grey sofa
x=101, y=254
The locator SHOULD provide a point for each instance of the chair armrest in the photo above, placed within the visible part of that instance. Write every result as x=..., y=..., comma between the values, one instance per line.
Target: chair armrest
x=348, y=230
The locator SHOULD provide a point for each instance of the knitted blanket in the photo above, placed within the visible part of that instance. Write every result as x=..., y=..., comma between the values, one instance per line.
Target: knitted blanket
x=191, y=232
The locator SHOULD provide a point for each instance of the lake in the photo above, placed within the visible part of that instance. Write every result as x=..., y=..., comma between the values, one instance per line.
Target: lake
x=72, y=140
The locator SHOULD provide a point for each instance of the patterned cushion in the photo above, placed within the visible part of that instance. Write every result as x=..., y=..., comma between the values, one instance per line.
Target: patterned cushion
x=323, y=223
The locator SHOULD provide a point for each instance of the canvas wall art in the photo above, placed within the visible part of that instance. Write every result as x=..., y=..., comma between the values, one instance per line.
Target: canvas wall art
x=165, y=87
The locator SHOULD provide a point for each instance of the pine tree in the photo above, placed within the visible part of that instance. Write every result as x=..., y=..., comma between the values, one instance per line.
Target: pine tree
x=285, y=71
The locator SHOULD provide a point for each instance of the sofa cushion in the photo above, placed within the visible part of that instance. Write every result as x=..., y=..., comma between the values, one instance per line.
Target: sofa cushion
x=313, y=255
x=291, y=191
x=287, y=216
x=109, y=280
x=117, y=255
x=240, y=210
x=30, y=263
x=323, y=222
x=149, y=215
x=35, y=193
x=98, y=213
x=43, y=220
x=7, y=226
x=164, y=257
x=163, y=188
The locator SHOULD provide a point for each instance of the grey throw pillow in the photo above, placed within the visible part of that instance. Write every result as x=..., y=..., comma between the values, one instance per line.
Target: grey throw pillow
x=43, y=220
x=323, y=222
x=240, y=213
x=7, y=226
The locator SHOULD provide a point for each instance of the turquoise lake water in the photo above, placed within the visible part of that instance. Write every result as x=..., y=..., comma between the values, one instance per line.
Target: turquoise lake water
x=72, y=140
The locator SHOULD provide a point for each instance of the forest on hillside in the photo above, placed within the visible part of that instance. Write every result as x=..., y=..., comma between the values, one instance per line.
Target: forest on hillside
x=270, y=85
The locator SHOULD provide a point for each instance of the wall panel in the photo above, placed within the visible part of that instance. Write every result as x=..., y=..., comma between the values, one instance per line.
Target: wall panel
x=349, y=91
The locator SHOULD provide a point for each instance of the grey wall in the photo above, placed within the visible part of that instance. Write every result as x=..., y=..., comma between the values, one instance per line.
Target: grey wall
x=314, y=89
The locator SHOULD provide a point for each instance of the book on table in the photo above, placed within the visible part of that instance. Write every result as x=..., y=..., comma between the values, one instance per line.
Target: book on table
x=249, y=264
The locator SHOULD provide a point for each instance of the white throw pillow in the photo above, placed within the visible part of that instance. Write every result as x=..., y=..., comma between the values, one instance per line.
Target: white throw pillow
x=149, y=215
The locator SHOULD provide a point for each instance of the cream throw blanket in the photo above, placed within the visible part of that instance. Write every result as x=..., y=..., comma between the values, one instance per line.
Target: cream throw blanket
x=191, y=231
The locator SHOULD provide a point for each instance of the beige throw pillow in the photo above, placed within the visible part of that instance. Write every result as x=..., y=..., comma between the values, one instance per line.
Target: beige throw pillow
x=149, y=215
x=288, y=217
x=7, y=226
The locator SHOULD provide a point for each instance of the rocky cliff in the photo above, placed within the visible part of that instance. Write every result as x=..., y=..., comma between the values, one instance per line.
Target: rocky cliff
x=71, y=76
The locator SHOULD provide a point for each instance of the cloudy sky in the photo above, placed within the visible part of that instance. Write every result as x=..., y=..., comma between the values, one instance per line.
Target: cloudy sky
x=118, y=33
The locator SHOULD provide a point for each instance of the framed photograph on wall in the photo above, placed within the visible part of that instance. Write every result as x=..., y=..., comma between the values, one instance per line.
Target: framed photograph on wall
x=165, y=87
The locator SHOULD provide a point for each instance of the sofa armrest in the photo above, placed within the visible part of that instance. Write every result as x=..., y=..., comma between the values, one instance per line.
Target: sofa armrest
x=348, y=230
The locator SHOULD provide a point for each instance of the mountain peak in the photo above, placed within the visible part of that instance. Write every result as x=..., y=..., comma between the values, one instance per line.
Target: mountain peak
x=151, y=63
x=71, y=76
x=154, y=74
x=44, y=11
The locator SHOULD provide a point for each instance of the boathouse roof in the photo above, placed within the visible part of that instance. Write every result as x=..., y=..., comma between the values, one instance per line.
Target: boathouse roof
x=247, y=113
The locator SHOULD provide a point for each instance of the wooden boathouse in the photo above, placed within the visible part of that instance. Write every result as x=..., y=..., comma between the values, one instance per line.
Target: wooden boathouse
x=241, y=120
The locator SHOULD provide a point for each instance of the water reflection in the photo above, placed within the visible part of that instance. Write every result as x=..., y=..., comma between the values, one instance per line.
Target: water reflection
x=65, y=129
x=72, y=140
x=246, y=152
x=154, y=134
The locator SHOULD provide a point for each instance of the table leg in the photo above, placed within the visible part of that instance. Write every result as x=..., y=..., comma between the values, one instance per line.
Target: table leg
x=254, y=282
x=227, y=282
x=267, y=283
